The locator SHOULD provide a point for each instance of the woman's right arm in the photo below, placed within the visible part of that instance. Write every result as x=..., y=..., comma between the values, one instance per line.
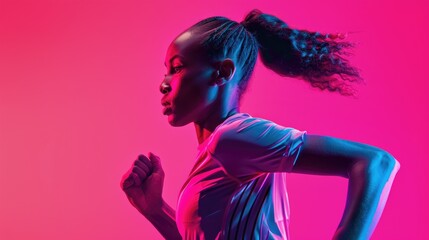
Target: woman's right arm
x=164, y=220
x=143, y=185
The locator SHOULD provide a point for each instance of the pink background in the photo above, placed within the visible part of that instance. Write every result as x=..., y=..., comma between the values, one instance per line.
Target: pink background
x=79, y=100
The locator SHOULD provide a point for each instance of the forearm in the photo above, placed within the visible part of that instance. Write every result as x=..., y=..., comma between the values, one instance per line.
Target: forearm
x=164, y=220
x=368, y=190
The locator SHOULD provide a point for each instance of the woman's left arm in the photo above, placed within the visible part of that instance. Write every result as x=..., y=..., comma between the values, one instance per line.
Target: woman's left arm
x=370, y=171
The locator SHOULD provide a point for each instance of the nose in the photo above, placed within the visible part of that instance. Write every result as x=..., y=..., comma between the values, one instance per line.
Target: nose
x=165, y=88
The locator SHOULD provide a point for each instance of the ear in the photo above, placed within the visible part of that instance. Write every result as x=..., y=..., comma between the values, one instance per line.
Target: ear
x=225, y=71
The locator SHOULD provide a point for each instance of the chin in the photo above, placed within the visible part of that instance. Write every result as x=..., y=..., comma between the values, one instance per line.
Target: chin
x=175, y=122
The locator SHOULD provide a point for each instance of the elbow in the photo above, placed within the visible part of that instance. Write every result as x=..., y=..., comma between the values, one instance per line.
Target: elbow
x=389, y=163
x=381, y=164
x=384, y=164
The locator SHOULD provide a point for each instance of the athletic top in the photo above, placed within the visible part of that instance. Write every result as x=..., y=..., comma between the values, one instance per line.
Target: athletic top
x=237, y=187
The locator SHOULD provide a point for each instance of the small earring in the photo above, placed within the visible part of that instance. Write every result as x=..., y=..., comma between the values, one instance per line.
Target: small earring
x=217, y=74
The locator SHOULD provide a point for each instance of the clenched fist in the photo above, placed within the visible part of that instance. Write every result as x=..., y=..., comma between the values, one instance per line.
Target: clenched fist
x=143, y=183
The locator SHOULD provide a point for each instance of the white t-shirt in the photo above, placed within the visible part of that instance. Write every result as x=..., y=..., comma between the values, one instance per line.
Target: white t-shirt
x=237, y=187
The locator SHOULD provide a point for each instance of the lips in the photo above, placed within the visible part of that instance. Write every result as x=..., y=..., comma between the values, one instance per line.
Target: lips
x=166, y=110
x=165, y=102
x=167, y=107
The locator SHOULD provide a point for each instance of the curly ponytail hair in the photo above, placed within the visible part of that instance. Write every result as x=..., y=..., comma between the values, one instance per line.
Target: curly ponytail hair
x=311, y=56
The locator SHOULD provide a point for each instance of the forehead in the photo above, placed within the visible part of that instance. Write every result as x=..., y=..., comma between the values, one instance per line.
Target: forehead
x=186, y=45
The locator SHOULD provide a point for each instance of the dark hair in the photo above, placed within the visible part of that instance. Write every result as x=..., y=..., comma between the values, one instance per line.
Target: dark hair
x=311, y=56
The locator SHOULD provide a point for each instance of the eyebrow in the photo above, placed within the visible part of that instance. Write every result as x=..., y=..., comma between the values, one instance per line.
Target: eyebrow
x=171, y=60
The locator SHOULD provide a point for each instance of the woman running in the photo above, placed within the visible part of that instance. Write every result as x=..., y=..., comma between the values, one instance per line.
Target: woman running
x=237, y=188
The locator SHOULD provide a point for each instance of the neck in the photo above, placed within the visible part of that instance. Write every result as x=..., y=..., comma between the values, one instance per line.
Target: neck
x=205, y=128
x=226, y=105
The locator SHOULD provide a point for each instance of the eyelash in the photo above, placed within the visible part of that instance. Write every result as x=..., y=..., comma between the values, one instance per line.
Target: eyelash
x=177, y=69
x=174, y=70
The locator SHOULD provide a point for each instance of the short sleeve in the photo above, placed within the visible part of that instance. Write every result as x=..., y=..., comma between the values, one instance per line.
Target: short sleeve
x=255, y=145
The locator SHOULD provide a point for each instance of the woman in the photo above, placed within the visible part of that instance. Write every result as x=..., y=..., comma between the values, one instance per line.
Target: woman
x=236, y=189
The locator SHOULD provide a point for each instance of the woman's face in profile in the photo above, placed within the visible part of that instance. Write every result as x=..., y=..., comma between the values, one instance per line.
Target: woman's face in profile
x=188, y=87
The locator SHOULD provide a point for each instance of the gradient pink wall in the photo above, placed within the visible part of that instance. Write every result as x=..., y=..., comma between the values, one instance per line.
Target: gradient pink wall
x=79, y=101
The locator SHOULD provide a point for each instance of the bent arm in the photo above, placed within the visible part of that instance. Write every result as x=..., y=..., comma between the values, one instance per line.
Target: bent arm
x=164, y=220
x=370, y=171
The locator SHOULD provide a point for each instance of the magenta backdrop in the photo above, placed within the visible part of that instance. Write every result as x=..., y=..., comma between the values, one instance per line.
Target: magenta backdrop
x=79, y=100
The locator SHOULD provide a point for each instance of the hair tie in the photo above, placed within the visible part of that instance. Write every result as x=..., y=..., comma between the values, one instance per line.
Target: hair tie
x=244, y=24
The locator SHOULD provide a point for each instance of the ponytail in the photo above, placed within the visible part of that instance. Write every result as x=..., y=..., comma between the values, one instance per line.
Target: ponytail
x=311, y=56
